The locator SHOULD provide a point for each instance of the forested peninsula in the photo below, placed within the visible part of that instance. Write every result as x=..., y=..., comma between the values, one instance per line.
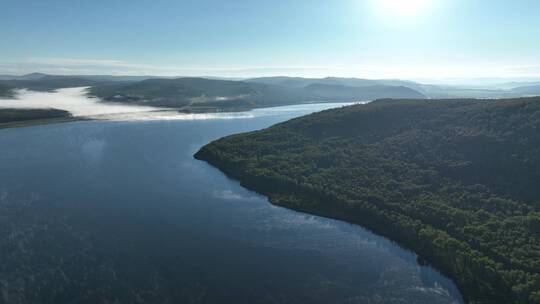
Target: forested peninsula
x=457, y=181
x=23, y=117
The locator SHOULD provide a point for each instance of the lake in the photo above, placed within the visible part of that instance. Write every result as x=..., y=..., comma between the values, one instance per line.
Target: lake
x=105, y=211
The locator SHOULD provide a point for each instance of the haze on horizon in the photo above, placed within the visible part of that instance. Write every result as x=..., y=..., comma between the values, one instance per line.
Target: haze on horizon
x=408, y=39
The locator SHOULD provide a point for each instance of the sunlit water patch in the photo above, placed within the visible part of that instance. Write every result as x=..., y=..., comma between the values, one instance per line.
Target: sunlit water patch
x=170, y=115
x=255, y=113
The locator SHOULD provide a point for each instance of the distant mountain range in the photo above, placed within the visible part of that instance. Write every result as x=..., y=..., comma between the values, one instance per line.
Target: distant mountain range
x=528, y=90
x=210, y=93
x=226, y=94
x=297, y=82
x=41, y=76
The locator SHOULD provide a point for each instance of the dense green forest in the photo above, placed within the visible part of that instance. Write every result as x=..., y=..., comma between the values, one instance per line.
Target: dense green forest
x=25, y=115
x=457, y=181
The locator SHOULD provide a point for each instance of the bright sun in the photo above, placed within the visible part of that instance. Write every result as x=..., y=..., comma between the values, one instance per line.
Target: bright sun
x=404, y=8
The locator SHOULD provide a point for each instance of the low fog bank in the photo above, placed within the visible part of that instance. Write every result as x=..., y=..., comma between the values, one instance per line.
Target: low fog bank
x=79, y=104
x=73, y=100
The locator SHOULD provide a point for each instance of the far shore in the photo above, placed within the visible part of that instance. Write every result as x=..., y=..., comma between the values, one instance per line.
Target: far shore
x=36, y=122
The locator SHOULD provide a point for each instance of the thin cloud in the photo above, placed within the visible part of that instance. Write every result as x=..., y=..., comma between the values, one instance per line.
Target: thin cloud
x=76, y=62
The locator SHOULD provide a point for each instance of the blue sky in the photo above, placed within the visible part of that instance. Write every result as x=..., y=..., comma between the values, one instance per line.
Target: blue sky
x=361, y=38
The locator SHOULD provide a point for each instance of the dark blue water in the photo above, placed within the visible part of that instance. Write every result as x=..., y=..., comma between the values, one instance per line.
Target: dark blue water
x=102, y=211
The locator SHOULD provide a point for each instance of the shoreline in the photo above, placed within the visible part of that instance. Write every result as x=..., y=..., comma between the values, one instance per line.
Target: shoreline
x=184, y=110
x=44, y=121
x=295, y=201
x=391, y=168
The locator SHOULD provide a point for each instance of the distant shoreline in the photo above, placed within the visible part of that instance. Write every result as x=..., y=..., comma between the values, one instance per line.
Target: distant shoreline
x=37, y=122
x=185, y=110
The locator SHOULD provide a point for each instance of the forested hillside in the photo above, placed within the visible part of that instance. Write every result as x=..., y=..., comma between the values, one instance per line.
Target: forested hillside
x=457, y=181
x=25, y=115
x=5, y=91
x=48, y=83
x=196, y=93
x=199, y=94
x=528, y=90
x=203, y=94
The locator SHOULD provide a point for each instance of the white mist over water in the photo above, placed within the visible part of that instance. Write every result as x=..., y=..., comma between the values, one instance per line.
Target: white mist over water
x=79, y=104
x=73, y=100
x=173, y=115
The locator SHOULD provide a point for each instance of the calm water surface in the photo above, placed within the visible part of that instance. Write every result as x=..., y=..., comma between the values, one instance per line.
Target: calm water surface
x=105, y=211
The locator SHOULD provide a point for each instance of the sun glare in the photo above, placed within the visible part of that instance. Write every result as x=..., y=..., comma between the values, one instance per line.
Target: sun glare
x=404, y=8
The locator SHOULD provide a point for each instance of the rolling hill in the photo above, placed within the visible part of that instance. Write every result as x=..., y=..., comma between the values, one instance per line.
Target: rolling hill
x=214, y=94
x=528, y=90
x=225, y=94
x=298, y=82
x=454, y=180
x=48, y=83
